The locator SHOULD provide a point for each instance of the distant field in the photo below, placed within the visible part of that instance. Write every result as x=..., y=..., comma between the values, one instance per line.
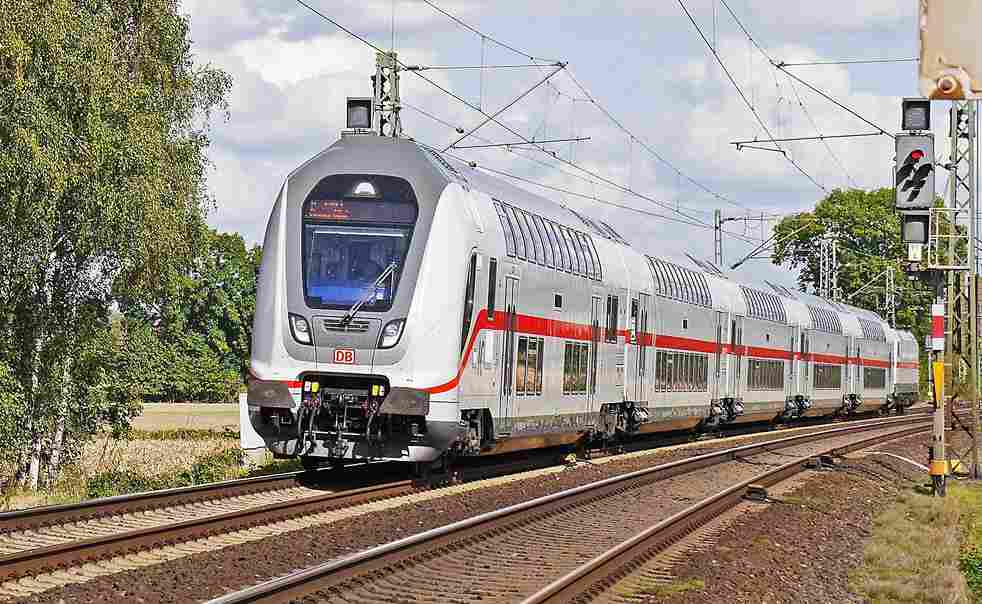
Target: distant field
x=188, y=416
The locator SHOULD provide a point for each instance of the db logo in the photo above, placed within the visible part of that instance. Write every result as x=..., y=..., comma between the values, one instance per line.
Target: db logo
x=344, y=356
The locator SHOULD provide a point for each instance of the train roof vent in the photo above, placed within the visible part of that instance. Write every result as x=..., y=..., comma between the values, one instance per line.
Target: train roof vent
x=764, y=305
x=680, y=283
x=824, y=319
x=872, y=330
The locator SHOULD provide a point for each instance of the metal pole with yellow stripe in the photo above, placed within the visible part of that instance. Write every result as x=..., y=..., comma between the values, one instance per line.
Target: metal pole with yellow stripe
x=939, y=462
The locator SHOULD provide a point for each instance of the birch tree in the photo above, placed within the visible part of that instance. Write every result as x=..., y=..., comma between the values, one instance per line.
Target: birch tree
x=103, y=132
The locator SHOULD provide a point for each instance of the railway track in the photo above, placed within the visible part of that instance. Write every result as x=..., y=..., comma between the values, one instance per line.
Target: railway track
x=509, y=555
x=34, y=542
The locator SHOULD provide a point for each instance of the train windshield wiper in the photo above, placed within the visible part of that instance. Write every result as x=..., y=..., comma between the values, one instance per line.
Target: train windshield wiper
x=388, y=272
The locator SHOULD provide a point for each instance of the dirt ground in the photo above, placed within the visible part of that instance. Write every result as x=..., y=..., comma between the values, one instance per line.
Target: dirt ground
x=801, y=547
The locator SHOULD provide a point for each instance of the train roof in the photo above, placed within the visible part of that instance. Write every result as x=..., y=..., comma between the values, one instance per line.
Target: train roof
x=408, y=158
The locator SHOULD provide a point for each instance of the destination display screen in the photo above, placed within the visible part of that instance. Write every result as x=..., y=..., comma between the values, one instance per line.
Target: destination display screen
x=360, y=210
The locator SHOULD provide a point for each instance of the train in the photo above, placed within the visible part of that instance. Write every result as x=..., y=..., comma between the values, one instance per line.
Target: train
x=411, y=307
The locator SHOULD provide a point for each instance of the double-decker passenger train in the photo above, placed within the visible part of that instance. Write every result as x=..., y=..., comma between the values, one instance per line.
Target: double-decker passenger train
x=411, y=306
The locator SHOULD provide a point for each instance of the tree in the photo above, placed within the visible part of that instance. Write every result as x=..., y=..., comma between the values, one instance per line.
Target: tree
x=204, y=322
x=867, y=229
x=102, y=191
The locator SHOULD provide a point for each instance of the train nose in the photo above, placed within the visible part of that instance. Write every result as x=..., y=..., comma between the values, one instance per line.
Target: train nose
x=337, y=342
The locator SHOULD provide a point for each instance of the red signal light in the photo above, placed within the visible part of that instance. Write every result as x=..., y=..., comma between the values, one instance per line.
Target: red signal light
x=917, y=155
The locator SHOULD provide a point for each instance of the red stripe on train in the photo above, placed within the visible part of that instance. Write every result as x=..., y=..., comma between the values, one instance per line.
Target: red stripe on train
x=541, y=326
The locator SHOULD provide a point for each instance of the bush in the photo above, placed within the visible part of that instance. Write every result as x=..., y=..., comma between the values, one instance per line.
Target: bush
x=209, y=468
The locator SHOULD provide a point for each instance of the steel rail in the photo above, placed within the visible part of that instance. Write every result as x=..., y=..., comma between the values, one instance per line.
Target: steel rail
x=605, y=570
x=303, y=582
x=38, y=560
x=39, y=517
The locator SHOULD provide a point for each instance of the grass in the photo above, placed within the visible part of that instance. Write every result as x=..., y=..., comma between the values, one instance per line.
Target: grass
x=970, y=500
x=915, y=553
x=146, y=461
x=642, y=586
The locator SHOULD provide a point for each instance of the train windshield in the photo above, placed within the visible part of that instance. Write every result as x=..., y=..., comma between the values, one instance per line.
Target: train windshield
x=354, y=227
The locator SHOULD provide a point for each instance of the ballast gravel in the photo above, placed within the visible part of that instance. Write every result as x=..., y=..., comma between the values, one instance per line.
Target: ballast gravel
x=206, y=575
x=801, y=548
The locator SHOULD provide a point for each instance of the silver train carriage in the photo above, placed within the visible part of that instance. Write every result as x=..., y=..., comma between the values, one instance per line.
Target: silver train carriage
x=408, y=306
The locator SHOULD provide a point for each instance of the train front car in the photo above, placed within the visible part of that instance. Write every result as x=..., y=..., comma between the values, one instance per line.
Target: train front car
x=354, y=277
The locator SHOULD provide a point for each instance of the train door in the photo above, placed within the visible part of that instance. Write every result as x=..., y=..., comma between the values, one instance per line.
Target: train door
x=849, y=381
x=719, y=379
x=641, y=347
x=596, y=312
x=858, y=368
x=736, y=344
x=793, y=368
x=505, y=408
x=805, y=364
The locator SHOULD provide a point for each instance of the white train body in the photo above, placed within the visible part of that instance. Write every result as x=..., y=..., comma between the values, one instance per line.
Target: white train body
x=509, y=321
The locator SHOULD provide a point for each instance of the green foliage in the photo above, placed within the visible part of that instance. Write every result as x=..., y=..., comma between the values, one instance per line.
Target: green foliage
x=868, y=233
x=193, y=343
x=102, y=198
x=209, y=468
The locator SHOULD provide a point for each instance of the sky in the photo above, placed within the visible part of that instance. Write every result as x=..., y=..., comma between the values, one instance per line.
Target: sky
x=643, y=63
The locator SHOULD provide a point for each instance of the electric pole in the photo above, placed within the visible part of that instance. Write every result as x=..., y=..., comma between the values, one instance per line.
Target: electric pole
x=386, y=101
x=828, y=277
x=962, y=342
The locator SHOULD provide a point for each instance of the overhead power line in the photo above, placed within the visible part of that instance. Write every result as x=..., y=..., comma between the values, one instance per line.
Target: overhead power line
x=580, y=195
x=782, y=66
x=590, y=98
x=512, y=148
x=746, y=101
x=644, y=145
x=852, y=62
x=485, y=36
x=499, y=122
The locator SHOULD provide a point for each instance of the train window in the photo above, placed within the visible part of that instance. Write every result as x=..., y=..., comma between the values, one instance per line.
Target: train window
x=765, y=375
x=828, y=377
x=465, y=328
x=544, y=238
x=596, y=259
x=521, y=375
x=666, y=280
x=535, y=247
x=676, y=282
x=528, y=380
x=574, y=242
x=559, y=250
x=557, y=301
x=591, y=270
x=492, y=286
x=520, y=239
x=610, y=332
x=573, y=260
x=506, y=229
x=576, y=361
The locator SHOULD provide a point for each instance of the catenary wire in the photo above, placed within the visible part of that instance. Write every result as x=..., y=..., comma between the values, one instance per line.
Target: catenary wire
x=590, y=98
x=782, y=66
x=746, y=101
x=498, y=122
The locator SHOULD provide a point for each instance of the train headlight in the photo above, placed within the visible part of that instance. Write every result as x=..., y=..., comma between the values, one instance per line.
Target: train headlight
x=300, y=329
x=391, y=333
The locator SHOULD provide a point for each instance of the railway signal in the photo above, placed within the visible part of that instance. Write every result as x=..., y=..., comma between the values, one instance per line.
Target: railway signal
x=915, y=172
